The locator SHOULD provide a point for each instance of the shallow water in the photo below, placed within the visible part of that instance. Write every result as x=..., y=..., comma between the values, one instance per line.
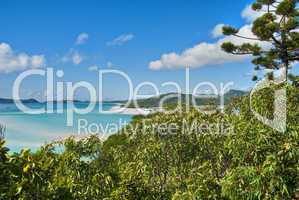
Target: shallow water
x=33, y=130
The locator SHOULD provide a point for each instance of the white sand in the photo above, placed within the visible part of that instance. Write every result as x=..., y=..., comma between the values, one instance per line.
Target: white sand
x=129, y=111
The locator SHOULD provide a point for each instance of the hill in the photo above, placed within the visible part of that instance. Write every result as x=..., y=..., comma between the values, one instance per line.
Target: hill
x=8, y=101
x=173, y=98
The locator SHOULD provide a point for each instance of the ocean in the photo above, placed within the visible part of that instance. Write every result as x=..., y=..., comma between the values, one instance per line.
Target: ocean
x=33, y=130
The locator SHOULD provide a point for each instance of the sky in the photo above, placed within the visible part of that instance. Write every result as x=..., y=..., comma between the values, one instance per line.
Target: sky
x=150, y=41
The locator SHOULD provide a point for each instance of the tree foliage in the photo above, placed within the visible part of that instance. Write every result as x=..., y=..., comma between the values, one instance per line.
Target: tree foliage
x=229, y=155
x=249, y=161
x=277, y=28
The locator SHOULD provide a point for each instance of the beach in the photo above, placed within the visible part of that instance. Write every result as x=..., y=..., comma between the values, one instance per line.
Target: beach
x=118, y=109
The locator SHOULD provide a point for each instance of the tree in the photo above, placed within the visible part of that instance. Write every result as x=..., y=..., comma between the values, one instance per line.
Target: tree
x=265, y=162
x=278, y=27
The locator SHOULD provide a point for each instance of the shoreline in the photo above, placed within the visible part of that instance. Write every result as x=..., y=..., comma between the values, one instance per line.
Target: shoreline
x=129, y=111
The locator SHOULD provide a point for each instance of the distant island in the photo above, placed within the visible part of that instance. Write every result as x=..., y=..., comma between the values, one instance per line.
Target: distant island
x=153, y=102
x=10, y=101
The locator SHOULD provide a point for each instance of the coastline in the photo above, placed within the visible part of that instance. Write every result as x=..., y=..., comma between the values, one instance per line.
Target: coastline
x=118, y=109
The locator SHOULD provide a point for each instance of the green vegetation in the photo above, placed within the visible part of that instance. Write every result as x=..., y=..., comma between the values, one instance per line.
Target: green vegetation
x=244, y=159
x=248, y=160
x=278, y=29
x=180, y=99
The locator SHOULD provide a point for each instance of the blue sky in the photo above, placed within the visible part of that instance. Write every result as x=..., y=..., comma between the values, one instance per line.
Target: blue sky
x=124, y=35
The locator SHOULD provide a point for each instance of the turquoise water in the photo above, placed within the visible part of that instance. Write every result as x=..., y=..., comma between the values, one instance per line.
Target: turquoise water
x=33, y=130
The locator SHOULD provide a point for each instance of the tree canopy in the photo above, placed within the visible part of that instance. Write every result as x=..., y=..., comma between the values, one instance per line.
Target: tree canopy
x=248, y=160
x=276, y=41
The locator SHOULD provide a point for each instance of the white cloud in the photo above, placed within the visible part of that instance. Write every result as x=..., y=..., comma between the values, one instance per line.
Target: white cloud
x=77, y=58
x=205, y=53
x=93, y=68
x=250, y=15
x=197, y=56
x=37, y=61
x=82, y=38
x=11, y=61
x=74, y=57
x=217, y=31
x=120, y=40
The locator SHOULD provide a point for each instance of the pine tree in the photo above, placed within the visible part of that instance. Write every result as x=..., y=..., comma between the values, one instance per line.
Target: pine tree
x=277, y=26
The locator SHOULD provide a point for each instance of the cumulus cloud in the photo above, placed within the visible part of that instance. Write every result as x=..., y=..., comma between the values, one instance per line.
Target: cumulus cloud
x=205, y=53
x=120, y=40
x=250, y=15
x=82, y=38
x=217, y=31
x=73, y=56
x=11, y=61
x=197, y=56
x=93, y=68
x=77, y=58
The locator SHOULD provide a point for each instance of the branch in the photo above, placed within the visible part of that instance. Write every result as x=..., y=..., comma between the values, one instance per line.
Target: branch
x=247, y=53
x=294, y=58
x=293, y=49
x=275, y=40
x=240, y=54
x=248, y=38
